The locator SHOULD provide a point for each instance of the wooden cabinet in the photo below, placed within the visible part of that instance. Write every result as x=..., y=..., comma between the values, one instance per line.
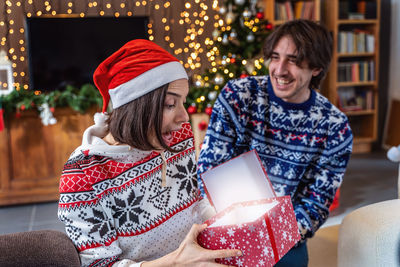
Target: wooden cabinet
x=279, y=11
x=32, y=155
x=352, y=81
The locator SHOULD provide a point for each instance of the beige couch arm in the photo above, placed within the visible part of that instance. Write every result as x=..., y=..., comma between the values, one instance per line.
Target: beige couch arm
x=370, y=236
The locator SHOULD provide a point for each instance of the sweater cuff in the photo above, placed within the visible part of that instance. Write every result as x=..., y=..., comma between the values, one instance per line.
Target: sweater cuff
x=127, y=263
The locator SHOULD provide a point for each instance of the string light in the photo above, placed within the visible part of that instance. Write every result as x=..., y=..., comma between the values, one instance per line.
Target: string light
x=192, y=18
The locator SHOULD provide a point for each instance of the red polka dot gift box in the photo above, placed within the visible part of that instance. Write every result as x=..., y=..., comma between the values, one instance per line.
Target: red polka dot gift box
x=250, y=217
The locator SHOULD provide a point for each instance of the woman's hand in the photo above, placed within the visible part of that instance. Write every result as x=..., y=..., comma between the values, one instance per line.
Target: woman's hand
x=190, y=253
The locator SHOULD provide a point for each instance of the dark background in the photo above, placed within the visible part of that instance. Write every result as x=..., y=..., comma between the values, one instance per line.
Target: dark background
x=67, y=50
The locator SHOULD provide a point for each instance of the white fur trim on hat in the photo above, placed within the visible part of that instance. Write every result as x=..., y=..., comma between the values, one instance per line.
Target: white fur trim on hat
x=146, y=82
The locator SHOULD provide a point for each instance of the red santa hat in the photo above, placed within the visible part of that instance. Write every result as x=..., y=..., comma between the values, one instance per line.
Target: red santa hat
x=137, y=68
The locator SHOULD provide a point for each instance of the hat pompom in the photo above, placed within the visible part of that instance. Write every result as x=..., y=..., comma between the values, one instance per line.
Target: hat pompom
x=100, y=119
x=100, y=128
x=394, y=154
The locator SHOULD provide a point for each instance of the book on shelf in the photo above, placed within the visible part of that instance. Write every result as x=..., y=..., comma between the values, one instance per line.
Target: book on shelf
x=298, y=9
x=280, y=11
x=350, y=99
x=356, y=41
x=308, y=10
x=371, y=68
x=370, y=43
x=288, y=10
x=342, y=42
x=369, y=100
x=344, y=72
x=350, y=42
x=360, y=36
x=355, y=72
x=358, y=71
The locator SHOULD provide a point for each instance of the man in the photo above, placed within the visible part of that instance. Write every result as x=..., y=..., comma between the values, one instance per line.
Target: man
x=302, y=139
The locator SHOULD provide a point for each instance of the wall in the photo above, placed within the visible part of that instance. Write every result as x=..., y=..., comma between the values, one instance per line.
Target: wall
x=179, y=26
x=389, y=110
x=394, y=77
x=384, y=53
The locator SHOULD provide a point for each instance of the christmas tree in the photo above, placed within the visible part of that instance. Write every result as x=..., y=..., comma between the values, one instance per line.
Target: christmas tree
x=234, y=51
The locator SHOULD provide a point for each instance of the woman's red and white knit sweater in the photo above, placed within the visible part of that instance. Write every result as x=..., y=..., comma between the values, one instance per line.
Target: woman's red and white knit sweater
x=114, y=206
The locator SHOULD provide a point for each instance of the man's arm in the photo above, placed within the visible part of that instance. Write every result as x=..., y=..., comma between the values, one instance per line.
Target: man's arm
x=319, y=185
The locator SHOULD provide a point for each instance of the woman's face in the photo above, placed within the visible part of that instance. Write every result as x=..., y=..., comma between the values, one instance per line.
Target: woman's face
x=174, y=111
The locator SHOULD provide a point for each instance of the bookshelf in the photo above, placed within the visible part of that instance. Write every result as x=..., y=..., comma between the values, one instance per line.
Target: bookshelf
x=352, y=81
x=279, y=11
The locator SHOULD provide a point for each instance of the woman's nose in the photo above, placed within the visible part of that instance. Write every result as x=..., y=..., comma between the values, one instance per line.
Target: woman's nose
x=183, y=116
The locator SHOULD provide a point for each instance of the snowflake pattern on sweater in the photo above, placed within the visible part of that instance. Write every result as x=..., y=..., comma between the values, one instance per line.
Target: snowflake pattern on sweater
x=304, y=147
x=115, y=208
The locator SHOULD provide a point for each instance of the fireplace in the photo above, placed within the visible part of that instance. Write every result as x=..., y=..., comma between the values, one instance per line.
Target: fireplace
x=66, y=50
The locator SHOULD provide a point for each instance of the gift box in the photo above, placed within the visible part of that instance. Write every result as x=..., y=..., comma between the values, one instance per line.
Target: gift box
x=250, y=217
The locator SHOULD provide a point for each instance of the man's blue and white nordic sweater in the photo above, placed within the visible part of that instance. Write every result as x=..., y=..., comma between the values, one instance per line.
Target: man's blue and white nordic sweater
x=304, y=147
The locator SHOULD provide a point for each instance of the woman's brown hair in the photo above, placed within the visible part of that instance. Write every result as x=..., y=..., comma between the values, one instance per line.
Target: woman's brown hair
x=313, y=43
x=134, y=123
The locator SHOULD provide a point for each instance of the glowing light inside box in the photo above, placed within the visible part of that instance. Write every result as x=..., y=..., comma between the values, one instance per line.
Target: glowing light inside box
x=238, y=180
x=243, y=214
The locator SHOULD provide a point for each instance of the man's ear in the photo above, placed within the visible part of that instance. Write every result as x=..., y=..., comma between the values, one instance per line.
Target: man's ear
x=316, y=72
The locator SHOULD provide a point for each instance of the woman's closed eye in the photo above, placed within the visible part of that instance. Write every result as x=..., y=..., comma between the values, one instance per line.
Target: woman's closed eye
x=170, y=106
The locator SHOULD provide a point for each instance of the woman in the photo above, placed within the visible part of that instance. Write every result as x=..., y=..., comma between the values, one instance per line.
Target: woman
x=129, y=194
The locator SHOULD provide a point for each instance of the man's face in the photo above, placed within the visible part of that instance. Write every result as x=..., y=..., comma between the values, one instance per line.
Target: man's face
x=289, y=81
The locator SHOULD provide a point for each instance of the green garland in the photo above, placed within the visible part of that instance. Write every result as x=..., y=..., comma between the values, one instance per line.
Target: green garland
x=78, y=99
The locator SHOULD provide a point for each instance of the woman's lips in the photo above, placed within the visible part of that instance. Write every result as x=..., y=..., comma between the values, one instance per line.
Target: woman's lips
x=167, y=137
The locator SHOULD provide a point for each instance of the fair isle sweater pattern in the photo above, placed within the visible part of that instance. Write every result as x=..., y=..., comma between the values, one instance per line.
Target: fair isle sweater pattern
x=304, y=147
x=115, y=209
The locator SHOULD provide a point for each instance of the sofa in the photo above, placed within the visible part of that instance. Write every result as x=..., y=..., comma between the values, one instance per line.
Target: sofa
x=370, y=236
x=42, y=248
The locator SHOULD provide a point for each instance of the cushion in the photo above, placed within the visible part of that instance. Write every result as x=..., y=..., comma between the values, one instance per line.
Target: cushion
x=370, y=236
x=38, y=248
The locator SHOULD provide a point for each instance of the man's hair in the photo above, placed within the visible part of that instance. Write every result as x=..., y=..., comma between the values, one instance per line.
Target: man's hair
x=313, y=43
x=134, y=123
